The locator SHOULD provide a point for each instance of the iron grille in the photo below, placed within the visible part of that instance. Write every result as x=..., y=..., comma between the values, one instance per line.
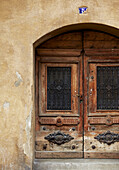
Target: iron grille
x=58, y=88
x=108, y=87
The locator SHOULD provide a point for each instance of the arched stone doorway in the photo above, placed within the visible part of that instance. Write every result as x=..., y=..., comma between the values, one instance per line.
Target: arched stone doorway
x=77, y=103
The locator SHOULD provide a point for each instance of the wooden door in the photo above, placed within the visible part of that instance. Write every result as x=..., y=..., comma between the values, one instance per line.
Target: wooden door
x=101, y=91
x=60, y=133
x=77, y=103
x=101, y=134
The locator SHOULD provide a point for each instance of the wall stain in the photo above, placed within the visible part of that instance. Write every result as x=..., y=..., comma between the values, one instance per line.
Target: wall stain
x=26, y=146
x=18, y=82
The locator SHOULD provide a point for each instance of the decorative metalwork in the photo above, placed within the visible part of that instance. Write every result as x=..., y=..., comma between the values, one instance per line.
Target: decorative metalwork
x=107, y=137
x=109, y=120
x=59, y=138
x=108, y=87
x=58, y=88
x=59, y=121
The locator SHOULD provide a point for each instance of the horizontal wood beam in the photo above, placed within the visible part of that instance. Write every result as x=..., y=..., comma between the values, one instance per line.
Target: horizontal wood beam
x=101, y=51
x=47, y=154
x=58, y=52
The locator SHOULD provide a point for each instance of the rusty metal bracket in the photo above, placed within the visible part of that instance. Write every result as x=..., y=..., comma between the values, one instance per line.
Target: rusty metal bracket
x=107, y=137
x=59, y=138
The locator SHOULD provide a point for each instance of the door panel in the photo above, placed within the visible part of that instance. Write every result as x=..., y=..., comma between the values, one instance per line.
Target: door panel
x=60, y=118
x=99, y=40
x=69, y=40
x=101, y=134
x=103, y=88
x=59, y=86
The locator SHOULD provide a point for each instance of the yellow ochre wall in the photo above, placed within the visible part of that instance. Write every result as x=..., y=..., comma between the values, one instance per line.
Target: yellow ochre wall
x=22, y=23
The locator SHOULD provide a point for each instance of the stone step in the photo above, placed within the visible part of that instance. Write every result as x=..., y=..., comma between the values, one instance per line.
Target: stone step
x=76, y=164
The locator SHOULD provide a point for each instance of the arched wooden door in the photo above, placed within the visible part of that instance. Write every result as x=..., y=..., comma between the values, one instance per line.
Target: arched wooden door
x=77, y=96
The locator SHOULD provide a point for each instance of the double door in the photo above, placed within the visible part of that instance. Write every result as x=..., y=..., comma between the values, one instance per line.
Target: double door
x=77, y=93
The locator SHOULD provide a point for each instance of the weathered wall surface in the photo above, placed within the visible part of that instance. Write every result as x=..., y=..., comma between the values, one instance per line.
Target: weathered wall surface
x=22, y=22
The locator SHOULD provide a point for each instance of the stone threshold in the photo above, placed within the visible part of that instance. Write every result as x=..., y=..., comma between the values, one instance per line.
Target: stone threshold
x=76, y=164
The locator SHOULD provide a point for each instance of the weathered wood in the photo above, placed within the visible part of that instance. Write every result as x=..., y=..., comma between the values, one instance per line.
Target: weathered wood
x=58, y=155
x=51, y=123
x=94, y=123
x=92, y=82
x=56, y=59
x=65, y=121
x=58, y=52
x=102, y=52
x=71, y=40
x=74, y=89
x=37, y=96
x=108, y=120
x=105, y=155
x=99, y=40
x=83, y=52
x=104, y=113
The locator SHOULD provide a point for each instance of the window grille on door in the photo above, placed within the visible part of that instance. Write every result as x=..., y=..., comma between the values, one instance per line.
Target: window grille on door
x=58, y=88
x=108, y=87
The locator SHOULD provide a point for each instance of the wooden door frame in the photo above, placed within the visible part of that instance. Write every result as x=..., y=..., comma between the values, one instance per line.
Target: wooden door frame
x=98, y=27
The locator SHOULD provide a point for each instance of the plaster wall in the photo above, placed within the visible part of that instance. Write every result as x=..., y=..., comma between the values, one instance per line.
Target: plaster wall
x=22, y=22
